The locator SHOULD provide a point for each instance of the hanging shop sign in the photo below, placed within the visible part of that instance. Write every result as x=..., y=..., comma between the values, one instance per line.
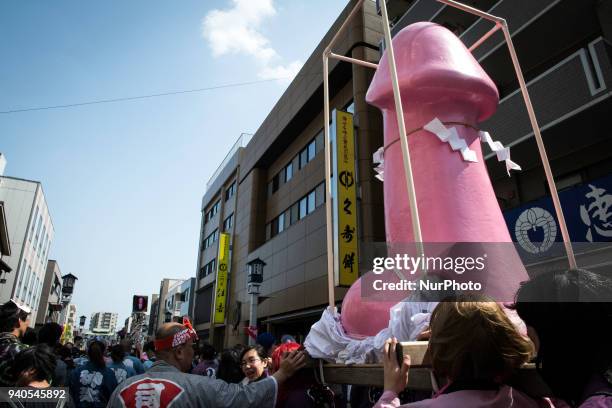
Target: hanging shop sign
x=221, y=282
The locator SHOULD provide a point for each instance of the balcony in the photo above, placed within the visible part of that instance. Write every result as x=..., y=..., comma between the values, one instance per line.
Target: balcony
x=573, y=85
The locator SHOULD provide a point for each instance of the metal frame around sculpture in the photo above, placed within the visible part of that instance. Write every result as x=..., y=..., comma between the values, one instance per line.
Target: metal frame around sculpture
x=500, y=23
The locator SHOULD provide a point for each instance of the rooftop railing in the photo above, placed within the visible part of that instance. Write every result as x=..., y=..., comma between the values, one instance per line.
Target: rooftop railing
x=242, y=141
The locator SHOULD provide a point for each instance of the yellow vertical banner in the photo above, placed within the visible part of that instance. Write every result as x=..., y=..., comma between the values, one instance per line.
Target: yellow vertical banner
x=221, y=283
x=346, y=201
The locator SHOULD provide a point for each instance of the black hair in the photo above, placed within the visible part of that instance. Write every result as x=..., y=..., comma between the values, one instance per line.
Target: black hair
x=50, y=334
x=10, y=315
x=29, y=337
x=96, y=353
x=40, y=359
x=229, y=366
x=565, y=308
x=207, y=351
x=261, y=351
x=117, y=353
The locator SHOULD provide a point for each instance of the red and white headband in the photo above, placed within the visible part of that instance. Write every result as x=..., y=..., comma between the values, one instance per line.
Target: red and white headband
x=177, y=339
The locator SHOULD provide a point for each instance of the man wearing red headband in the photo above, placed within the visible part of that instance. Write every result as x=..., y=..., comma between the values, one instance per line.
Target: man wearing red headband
x=167, y=383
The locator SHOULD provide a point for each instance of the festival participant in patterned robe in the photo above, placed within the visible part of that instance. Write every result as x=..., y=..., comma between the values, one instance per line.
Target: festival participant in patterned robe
x=14, y=321
x=122, y=372
x=167, y=383
x=92, y=383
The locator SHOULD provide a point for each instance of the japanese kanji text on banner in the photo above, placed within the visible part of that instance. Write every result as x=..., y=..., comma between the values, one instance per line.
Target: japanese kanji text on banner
x=347, y=242
x=221, y=285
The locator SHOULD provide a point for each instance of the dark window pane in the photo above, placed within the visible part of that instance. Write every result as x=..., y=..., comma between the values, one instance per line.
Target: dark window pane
x=281, y=223
x=303, y=207
x=274, y=227
x=295, y=213
x=268, y=231
x=311, y=202
x=295, y=164
x=312, y=150
x=320, y=141
x=320, y=194
x=275, y=183
x=303, y=158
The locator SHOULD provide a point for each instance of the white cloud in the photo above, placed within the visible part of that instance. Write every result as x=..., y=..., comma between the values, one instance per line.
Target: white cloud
x=237, y=31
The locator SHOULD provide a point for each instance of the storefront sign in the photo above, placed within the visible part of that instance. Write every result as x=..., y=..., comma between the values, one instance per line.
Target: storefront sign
x=221, y=282
x=588, y=213
x=345, y=226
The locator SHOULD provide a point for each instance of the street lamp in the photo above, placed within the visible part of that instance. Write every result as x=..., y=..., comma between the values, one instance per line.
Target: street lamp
x=67, y=290
x=68, y=284
x=254, y=280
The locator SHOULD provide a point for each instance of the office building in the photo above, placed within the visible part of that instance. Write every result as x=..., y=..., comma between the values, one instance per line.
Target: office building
x=103, y=323
x=269, y=195
x=50, y=305
x=30, y=228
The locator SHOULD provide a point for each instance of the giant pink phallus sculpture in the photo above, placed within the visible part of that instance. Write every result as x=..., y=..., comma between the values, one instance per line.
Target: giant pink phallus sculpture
x=438, y=78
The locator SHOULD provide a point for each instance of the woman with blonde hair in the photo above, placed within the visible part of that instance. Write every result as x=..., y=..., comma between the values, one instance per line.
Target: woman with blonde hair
x=475, y=348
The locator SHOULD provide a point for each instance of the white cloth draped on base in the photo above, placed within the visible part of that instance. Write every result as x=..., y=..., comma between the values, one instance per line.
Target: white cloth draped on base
x=328, y=340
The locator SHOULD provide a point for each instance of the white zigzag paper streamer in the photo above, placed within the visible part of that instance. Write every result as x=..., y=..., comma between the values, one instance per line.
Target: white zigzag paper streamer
x=451, y=136
x=457, y=143
x=502, y=153
x=379, y=159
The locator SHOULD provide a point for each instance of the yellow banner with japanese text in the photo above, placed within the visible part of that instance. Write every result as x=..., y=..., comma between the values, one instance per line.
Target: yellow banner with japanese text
x=221, y=282
x=346, y=203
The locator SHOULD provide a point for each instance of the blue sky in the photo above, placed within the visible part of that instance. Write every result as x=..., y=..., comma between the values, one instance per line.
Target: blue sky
x=124, y=180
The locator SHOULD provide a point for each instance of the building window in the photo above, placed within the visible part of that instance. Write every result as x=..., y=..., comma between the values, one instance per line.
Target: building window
x=295, y=213
x=289, y=172
x=212, y=212
x=40, y=243
x=21, y=275
x=39, y=222
x=33, y=224
x=312, y=150
x=303, y=158
x=320, y=195
x=207, y=269
x=274, y=227
x=211, y=239
x=320, y=141
x=228, y=222
x=283, y=221
x=311, y=201
x=268, y=231
x=308, y=153
x=303, y=207
x=231, y=190
x=275, y=183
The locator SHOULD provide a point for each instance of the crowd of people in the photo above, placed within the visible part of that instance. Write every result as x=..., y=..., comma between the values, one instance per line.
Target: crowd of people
x=475, y=352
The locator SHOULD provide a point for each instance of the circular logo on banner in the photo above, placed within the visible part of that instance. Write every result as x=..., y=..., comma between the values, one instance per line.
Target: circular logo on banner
x=535, y=230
